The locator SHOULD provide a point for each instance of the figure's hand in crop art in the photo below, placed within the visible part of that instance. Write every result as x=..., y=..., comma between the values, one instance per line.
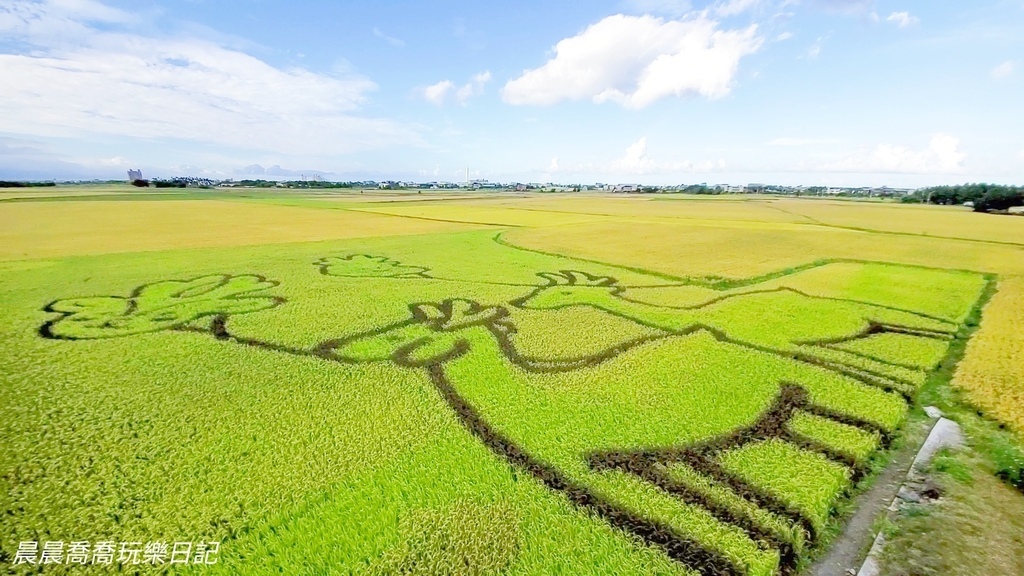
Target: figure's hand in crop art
x=159, y=306
x=436, y=333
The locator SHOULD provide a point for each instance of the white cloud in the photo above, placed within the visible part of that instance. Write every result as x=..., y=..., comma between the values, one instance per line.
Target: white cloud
x=439, y=93
x=637, y=60
x=116, y=161
x=635, y=161
x=902, y=19
x=801, y=141
x=734, y=7
x=436, y=93
x=66, y=13
x=396, y=42
x=77, y=79
x=1004, y=70
x=943, y=156
x=784, y=36
x=815, y=50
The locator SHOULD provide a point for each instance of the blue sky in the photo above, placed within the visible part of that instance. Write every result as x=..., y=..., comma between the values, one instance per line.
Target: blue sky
x=836, y=92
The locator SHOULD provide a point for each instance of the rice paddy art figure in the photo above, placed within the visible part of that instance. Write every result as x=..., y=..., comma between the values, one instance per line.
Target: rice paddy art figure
x=457, y=339
x=603, y=462
x=781, y=320
x=367, y=266
x=159, y=306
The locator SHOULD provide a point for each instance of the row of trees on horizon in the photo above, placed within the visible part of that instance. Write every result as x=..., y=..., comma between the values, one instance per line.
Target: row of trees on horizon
x=984, y=197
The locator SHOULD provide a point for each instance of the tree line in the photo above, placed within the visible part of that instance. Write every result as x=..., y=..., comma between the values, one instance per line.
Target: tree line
x=9, y=184
x=985, y=197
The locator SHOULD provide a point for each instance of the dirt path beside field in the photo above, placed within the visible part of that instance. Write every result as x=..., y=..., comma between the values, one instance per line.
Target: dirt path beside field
x=849, y=550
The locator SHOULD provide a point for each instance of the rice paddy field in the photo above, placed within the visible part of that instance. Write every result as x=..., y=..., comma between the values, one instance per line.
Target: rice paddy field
x=479, y=384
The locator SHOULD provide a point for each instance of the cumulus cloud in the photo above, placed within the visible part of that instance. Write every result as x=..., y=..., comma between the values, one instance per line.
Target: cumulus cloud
x=635, y=161
x=734, y=7
x=902, y=19
x=83, y=72
x=436, y=93
x=1004, y=70
x=637, y=60
x=942, y=156
x=446, y=90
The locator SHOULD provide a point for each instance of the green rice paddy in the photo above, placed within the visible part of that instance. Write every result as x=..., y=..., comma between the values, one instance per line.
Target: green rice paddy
x=451, y=403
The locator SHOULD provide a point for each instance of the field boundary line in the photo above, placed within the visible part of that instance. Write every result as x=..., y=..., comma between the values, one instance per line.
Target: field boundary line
x=815, y=221
x=721, y=283
x=433, y=219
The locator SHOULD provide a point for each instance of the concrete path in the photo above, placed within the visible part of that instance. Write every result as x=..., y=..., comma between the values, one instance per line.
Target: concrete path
x=857, y=550
x=848, y=551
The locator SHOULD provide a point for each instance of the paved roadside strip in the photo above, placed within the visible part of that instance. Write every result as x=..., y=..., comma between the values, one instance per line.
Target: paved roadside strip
x=847, y=554
x=944, y=434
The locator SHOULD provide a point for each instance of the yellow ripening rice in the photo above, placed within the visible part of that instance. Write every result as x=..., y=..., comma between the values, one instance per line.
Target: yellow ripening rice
x=743, y=249
x=52, y=229
x=480, y=214
x=992, y=372
x=659, y=207
x=938, y=221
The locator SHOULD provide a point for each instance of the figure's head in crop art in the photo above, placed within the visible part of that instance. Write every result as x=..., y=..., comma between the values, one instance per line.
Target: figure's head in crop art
x=366, y=266
x=159, y=306
x=434, y=334
x=569, y=288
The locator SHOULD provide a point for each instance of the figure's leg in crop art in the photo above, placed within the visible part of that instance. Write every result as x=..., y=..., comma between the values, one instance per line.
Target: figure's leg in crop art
x=723, y=410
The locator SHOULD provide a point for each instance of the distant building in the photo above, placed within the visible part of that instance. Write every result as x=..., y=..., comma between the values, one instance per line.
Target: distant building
x=134, y=175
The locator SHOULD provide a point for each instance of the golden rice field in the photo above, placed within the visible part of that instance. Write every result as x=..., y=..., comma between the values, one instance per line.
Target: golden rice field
x=53, y=229
x=992, y=372
x=386, y=383
x=674, y=235
x=737, y=237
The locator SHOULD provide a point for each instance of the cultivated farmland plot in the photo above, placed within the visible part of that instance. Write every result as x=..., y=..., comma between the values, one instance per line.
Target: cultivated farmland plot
x=454, y=403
